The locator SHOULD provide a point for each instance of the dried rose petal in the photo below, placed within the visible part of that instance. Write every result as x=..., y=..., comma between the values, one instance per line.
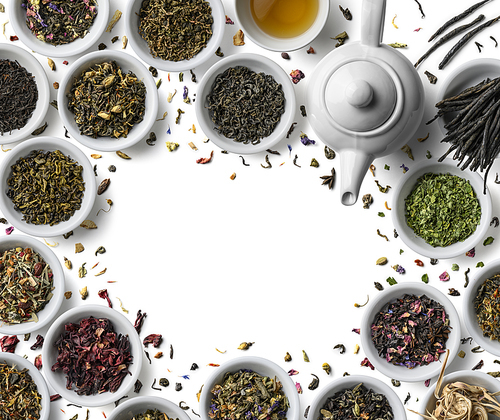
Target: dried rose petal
x=444, y=276
x=297, y=76
x=367, y=363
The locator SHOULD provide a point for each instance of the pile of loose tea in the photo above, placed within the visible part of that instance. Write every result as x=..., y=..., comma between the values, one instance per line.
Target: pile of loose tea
x=175, y=30
x=26, y=284
x=411, y=331
x=487, y=307
x=442, y=209
x=46, y=187
x=19, y=396
x=93, y=356
x=18, y=96
x=245, y=106
x=356, y=403
x=151, y=414
x=60, y=22
x=246, y=394
x=106, y=102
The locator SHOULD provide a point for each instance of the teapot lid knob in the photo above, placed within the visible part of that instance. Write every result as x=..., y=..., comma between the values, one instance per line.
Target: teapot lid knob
x=359, y=93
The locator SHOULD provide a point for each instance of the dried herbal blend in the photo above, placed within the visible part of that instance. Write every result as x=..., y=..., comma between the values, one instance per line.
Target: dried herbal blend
x=175, y=30
x=19, y=396
x=152, y=414
x=93, y=356
x=18, y=96
x=26, y=284
x=106, y=102
x=442, y=209
x=487, y=307
x=59, y=22
x=46, y=187
x=356, y=403
x=411, y=331
x=247, y=395
x=245, y=106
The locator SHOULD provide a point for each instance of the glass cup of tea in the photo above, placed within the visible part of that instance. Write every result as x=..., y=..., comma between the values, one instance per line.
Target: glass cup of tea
x=282, y=25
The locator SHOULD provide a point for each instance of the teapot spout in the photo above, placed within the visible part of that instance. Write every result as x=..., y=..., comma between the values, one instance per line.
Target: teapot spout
x=353, y=167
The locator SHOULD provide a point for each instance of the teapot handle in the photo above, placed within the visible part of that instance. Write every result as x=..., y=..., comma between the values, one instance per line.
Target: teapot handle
x=372, y=26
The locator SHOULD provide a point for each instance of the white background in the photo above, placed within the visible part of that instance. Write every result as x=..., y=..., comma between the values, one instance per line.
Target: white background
x=271, y=257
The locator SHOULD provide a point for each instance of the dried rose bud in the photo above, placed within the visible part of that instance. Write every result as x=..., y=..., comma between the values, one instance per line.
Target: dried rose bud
x=38, y=362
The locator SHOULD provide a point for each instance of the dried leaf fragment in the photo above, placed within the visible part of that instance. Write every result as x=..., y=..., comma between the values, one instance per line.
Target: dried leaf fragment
x=68, y=264
x=122, y=155
x=88, y=224
x=103, y=186
x=84, y=293
x=238, y=38
x=192, y=146
x=79, y=248
x=51, y=63
x=95, y=156
x=124, y=42
x=116, y=17
x=381, y=261
x=205, y=160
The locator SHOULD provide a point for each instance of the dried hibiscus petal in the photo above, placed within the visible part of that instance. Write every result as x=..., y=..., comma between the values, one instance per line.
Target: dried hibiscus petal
x=154, y=339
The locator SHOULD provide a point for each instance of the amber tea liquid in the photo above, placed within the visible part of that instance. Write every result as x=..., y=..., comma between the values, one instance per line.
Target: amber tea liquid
x=284, y=18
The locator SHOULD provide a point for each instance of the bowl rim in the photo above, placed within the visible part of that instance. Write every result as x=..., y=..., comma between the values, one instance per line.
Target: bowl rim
x=479, y=276
x=55, y=302
x=51, y=144
x=43, y=390
x=419, y=373
x=121, y=325
x=60, y=51
x=142, y=50
x=370, y=382
x=33, y=66
x=239, y=363
x=139, y=131
x=286, y=119
x=155, y=402
x=417, y=244
x=288, y=44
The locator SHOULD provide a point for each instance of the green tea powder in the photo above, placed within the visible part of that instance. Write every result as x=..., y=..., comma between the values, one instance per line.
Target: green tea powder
x=442, y=209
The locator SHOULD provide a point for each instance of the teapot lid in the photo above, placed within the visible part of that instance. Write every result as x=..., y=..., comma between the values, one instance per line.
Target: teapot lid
x=360, y=95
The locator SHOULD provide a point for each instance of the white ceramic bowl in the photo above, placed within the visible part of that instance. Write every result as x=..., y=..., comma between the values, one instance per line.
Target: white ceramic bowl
x=48, y=313
x=349, y=382
x=478, y=277
x=470, y=377
x=58, y=379
x=405, y=187
x=17, y=16
x=402, y=373
x=466, y=75
x=22, y=363
x=141, y=48
x=31, y=64
x=259, y=37
x=127, y=63
x=138, y=405
x=256, y=63
x=263, y=367
x=48, y=144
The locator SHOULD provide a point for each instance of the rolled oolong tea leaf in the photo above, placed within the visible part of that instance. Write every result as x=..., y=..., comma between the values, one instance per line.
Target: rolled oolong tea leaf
x=175, y=30
x=411, y=331
x=356, y=403
x=442, y=209
x=94, y=357
x=20, y=390
x=261, y=395
x=152, y=414
x=245, y=106
x=60, y=22
x=18, y=96
x=106, y=102
x=26, y=284
x=56, y=174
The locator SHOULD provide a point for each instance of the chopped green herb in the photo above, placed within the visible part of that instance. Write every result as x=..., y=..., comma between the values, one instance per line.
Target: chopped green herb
x=425, y=278
x=381, y=214
x=401, y=251
x=479, y=264
x=455, y=267
x=391, y=280
x=387, y=167
x=488, y=241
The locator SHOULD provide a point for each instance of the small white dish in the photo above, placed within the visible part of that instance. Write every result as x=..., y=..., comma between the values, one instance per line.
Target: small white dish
x=50, y=310
x=17, y=16
x=133, y=406
x=22, y=363
x=127, y=63
x=405, y=187
x=478, y=277
x=141, y=48
x=264, y=40
x=349, y=382
x=466, y=75
x=33, y=66
x=263, y=367
x=120, y=324
x=256, y=63
x=48, y=144
x=402, y=373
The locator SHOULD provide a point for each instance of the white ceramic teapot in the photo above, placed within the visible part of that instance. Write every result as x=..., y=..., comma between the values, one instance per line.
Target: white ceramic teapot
x=365, y=100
